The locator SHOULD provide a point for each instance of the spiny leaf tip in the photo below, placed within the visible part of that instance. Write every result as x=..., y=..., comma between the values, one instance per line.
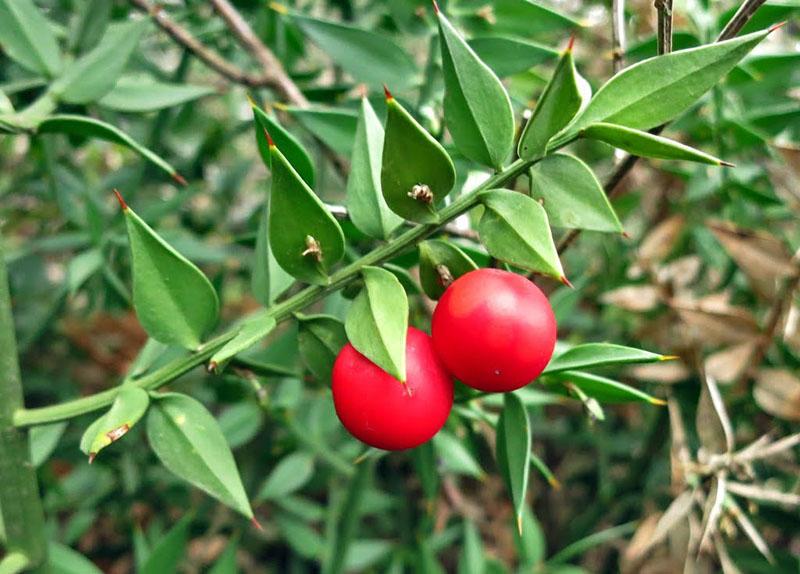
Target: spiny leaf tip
x=776, y=26
x=726, y=163
x=387, y=93
x=122, y=203
x=566, y=281
x=571, y=42
x=92, y=456
x=254, y=521
x=179, y=179
x=269, y=138
x=435, y=7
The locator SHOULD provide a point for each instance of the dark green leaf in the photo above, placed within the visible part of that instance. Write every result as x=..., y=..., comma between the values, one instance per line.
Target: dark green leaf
x=90, y=127
x=472, y=559
x=603, y=389
x=289, y=145
x=377, y=322
x=305, y=238
x=167, y=553
x=476, y=106
x=6, y=106
x=566, y=93
x=523, y=18
x=320, y=338
x=439, y=262
x=413, y=159
x=514, y=451
x=571, y=194
x=365, y=203
x=251, y=330
x=290, y=475
x=454, y=457
x=268, y=280
x=335, y=127
x=128, y=407
x=598, y=355
x=93, y=75
x=508, y=56
x=514, y=228
x=43, y=439
x=174, y=301
x=87, y=29
x=348, y=517
x=189, y=442
x=27, y=37
x=645, y=144
x=137, y=94
x=64, y=560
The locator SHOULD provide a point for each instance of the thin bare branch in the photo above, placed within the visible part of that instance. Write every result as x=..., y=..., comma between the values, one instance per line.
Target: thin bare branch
x=618, y=41
x=762, y=494
x=664, y=9
x=742, y=17
x=775, y=448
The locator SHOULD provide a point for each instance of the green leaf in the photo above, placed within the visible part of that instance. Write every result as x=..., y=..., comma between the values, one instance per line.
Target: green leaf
x=174, y=301
x=87, y=29
x=656, y=90
x=335, y=127
x=288, y=476
x=6, y=107
x=514, y=228
x=304, y=540
x=226, y=563
x=27, y=37
x=509, y=56
x=128, y=407
x=347, y=519
x=268, y=280
x=145, y=94
x=289, y=145
x=378, y=321
x=472, y=559
x=522, y=18
x=531, y=543
x=82, y=267
x=645, y=144
x=592, y=355
x=93, y=75
x=571, y=194
x=477, y=109
x=90, y=127
x=43, y=439
x=365, y=203
x=13, y=563
x=64, y=560
x=514, y=451
x=305, y=238
x=251, y=330
x=241, y=422
x=371, y=58
x=412, y=159
x=166, y=555
x=454, y=457
x=564, y=96
x=441, y=261
x=603, y=389
x=320, y=338
x=189, y=442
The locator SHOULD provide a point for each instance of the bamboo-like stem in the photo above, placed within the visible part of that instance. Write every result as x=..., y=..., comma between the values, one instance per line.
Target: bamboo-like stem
x=20, y=505
x=280, y=311
x=618, y=42
x=742, y=17
x=664, y=8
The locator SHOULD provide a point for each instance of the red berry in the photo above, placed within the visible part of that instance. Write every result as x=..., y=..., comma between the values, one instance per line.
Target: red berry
x=383, y=412
x=494, y=330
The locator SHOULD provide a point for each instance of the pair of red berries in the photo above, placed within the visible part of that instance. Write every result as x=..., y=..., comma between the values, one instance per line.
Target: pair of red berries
x=493, y=330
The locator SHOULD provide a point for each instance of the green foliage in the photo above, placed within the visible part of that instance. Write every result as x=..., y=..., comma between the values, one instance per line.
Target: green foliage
x=129, y=406
x=27, y=37
x=514, y=451
x=439, y=262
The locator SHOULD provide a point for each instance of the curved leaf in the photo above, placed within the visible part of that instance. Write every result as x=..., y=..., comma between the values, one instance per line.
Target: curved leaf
x=514, y=451
x=189, y=442
x=27, y=37
x=64, y=560
x=168, y=552
x=378, y=321
x=413, y=158
x=268, y=279
x=174, y=301
x=320, y=338
x=335, y=127
x=289, y=475
x=591, y=355
x=571, y=194
x=289, y=145
x=439, y=263
x=605, y=390
x=128, y=407
x=476, y=106
x=136, y=94
x=305, y=238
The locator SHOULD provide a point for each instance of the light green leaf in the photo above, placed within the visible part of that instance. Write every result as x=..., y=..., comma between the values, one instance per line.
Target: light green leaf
x=6, y=107
x=13, y=563
x=472, y=559
x=564, y=96
x=521, y=18
x=64, y=560
x=82, y=267
x=87, y=29
x=90, y=127
x=378, y=321
x=289, y=145
x=645, y=144
x=320, y=338
x=166, y=555
x=454, y=457
x=365, y=203
x=371, y=58
x=305, y=238
x=189, y=442
x=514, y=228
x=514, y=451
x=175, y=303
x=241, y=422
x=128, y=407
x=571, y=194
x=251, y=330
x=508, y=56
x=413, y=161
x=531, y=543
x=288, y=476
x=603, y=389
x=592, y=355
x=477, y=109
x=656, y=90
x=93, y=75
x=439, y=262
x=335, y=127
x=27, y=37
x=43, y=439
x=145, y=94
x=268, y=280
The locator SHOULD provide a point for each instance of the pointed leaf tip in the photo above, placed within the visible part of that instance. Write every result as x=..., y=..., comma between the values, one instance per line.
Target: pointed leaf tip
x=270, y=143
x=251, y=101
x=180, y=179
x=626, y=235
x=92, y=456
x=566, y=281
x=726, y=163
x=279, y=8
x=387, y=93
x=519, y=524
x=254, y=521
x=435, y=7
x=571, y=42
x=122, y=203
x=363, y=91
x=776, y=26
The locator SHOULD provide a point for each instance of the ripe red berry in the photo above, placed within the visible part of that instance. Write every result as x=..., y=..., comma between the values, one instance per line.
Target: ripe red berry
x=494, y=330
x=383, y=412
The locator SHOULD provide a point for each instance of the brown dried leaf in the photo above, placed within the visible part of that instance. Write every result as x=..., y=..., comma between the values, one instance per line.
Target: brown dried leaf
x=657, y=244
x=728, y=364
x=666, y=372
x=777, y=392
x=680, y=272
x=638, y=298
x=713, y=509
x=791, y=328
x=717, y=324
x=712, y=422
x=749, y=528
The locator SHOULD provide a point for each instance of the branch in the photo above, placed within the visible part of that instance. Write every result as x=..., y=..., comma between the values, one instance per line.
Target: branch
x=618, y=42
x=742, y=17
x=664, y=8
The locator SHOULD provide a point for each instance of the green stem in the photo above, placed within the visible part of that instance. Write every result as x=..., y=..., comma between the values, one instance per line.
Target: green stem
x=20, y=505
x=280, y=311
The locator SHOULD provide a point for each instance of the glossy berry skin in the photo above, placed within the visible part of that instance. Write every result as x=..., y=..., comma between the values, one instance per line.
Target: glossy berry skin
x=494, y=330
x=383, y=412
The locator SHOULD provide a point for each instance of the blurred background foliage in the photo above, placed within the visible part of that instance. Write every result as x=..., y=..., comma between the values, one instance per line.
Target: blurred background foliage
x=706, y=274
